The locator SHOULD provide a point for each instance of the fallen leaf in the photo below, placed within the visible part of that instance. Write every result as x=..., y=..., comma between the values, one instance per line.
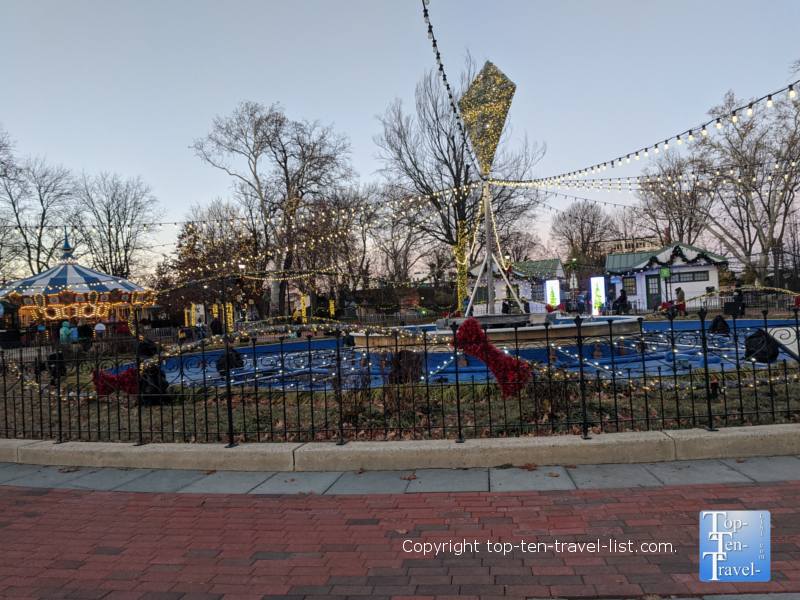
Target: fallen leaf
x=529, y=467
x=310, y=493
x=208, y=472
x=410, y=477
x=69, y=469
x=553, y=474
x=572, y=467
x=290, y=480
x=359, y=472
x=90, y=472
x=401, y=530
x=739, y=460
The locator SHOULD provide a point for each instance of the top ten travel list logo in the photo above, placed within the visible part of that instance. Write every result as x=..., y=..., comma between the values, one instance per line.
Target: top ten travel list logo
x=734, y=545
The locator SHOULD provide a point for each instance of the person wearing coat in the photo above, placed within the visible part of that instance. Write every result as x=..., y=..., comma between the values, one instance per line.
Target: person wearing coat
x=680, y=301
x=216, y=326
x=65, y=333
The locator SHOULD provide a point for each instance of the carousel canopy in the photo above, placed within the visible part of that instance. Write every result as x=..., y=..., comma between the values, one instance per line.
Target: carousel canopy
x=69, y=275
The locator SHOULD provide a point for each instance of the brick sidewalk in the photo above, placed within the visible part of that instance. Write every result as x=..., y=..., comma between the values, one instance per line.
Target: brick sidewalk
x=135, y=546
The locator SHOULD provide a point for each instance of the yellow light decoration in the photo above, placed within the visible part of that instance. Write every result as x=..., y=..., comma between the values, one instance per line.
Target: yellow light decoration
x=484, y=107
x=229, y=315
x=303, y=307
x=460, y=252
x=332, y=308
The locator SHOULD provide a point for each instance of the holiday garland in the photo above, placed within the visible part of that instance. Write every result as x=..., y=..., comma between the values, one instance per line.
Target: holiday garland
x=510, y=373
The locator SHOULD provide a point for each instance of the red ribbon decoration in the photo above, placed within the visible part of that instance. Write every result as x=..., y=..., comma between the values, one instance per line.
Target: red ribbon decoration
x=106, y=384
x=510, y=373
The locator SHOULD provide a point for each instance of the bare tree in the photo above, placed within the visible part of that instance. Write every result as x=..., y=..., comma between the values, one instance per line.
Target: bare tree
x=6, y=153
x=282, y=163
x=423, y=153
x=37, y=200
x=117, y=219
x=398, y=240
x=580, y=230
x=671, y=203
x=523, y=245
x=751, y=200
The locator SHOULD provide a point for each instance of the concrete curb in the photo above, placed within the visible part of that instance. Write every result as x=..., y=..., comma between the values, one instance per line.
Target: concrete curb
x=244, y=457
x=651, y=446
x=631, y=447
x=733, y=442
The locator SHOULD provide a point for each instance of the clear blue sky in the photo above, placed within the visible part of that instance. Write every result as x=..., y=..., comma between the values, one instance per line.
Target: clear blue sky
x=126, y=86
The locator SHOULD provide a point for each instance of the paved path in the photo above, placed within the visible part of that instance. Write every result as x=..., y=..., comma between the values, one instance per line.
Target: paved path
x=779, y=468
x=128, y=545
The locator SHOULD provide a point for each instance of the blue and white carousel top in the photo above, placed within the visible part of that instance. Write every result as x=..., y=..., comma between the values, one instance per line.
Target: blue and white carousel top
x=69, y=275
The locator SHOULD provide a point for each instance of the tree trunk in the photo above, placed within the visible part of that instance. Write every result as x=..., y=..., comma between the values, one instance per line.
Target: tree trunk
x=275, y=292
x=776, y=257
x=460, y=253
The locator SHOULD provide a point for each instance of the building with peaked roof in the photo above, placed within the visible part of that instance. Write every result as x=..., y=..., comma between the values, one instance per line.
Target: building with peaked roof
x=653, y=277
x=70, y=290
x=527, y=277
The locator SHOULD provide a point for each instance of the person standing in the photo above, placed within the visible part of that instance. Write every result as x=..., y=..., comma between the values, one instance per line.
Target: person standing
x=64, y=334
x=623, y=302
x=504, y=307
x=680, y=300
x=216, y=326
x=739, y=297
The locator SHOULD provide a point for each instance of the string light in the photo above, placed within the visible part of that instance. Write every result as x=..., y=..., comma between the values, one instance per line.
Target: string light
x=789, y=89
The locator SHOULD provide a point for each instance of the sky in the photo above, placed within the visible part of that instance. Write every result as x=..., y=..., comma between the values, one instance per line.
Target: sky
x=106, y=85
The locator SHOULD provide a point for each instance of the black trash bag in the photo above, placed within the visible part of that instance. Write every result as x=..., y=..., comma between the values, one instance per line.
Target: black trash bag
x=56, y=366
x=761, y=346
x=230, y=360
x=349, y=341
x=719, y=325
x=146, y=349
x=406, y=367
x=154, y=386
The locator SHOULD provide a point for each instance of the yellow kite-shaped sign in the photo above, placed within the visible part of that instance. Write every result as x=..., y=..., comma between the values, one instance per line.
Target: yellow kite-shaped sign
x=484, y=107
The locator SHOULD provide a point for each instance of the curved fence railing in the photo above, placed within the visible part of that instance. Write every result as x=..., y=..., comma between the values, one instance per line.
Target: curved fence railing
x=408, y=384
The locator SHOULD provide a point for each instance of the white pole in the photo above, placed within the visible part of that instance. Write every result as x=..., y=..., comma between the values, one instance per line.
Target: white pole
x=490, y=259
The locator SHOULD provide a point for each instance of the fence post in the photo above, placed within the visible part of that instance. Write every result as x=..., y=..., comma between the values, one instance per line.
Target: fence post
x=59, y=365
x=460, y=439
x=338, y=389
x=702, y=314
x=584, y=416
x=771, y=392
x=139, y=402
x=228, y=392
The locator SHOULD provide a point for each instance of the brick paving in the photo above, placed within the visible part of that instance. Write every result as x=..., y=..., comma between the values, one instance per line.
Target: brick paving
x=80, y=544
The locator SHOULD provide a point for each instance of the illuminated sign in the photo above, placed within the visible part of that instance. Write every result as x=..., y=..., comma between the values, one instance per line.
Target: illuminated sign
x=598, y=288
x=552, y=292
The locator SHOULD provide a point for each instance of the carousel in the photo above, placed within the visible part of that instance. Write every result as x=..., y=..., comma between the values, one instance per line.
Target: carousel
x=73, y=293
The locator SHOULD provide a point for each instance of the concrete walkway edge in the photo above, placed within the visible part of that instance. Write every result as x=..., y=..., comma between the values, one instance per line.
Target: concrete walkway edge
x=615, y=448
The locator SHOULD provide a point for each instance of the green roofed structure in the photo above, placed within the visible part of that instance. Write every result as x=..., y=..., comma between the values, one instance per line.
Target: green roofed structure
x=650, y=278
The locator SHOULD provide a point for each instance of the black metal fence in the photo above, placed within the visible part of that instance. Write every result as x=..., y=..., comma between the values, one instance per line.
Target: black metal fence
x=305, y=384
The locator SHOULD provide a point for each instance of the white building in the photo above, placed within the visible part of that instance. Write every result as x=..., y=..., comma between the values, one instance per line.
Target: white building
x=526, y=277
x=654, y=276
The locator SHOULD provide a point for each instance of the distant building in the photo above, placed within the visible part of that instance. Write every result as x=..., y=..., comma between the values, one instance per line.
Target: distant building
x=526, y=277
x=642, y=274
x=641, y=244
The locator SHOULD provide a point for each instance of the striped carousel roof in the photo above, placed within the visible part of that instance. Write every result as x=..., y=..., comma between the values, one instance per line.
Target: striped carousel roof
x=68, y=275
